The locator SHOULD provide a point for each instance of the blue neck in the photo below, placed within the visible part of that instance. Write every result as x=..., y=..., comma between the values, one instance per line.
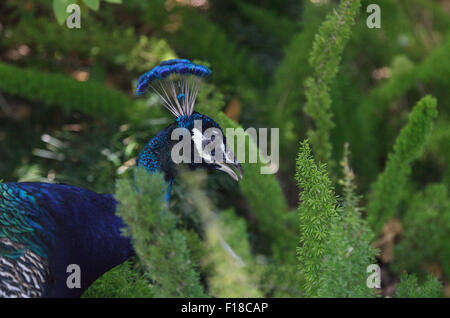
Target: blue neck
x=169, y=189
x=156, y=155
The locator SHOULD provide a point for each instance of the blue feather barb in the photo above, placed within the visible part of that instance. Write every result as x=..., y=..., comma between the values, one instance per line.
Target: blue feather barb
x=176, y=82
x=170, y=67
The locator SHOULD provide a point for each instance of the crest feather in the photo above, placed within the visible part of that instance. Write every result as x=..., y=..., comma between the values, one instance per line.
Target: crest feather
x=176, y=82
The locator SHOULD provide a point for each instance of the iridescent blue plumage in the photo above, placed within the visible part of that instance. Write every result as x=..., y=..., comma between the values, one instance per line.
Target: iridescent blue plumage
x=176, y=82
x=58, y=225
x=156, y=155
x=46, y=227
x=171, y=67
x=19, y=211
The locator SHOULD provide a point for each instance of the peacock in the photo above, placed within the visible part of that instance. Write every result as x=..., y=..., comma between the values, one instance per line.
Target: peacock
x=46, y=227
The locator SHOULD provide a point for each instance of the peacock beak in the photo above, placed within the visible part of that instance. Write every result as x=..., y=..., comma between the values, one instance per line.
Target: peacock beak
x=231, y=166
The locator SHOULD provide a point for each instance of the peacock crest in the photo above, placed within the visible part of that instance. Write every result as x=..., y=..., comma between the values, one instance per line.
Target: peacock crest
x=176, y=82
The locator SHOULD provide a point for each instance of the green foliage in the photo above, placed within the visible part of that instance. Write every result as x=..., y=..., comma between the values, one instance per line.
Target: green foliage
x=55, y=89
x=336, y=243
x=94, y=43
x=410, y=288
x=147, y=53
x=388, y=97
x=437, y=149
x=160, y=246
x=210, y=100
x=284, y=98
x=389, y=189
x=59, y=7
x=92, y=4
x=264, y=195
x=324, y=59
x=277, y=226
x=280, y=28
x=348, y=249
x=346, y=94
x=215, y=47
x=120, y=282
x=360, y=86
x=227, y=248
x=427, y=231
x=318, y=209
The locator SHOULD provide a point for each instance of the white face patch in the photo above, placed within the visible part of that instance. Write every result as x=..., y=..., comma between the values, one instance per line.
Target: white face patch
x=209, y=145
x=204, y=144
x=229, y=157
x=197, y=138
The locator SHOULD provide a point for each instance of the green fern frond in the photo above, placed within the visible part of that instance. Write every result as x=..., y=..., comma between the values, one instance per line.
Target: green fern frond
x=316, y=211
x=325, y=58
x=160, y=246
x=389, y=188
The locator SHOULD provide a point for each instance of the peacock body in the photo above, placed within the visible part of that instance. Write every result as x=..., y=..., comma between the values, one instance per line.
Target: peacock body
x=44, y=228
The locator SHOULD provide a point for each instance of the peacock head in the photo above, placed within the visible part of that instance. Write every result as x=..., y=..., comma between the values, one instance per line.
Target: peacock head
x=194, y=140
